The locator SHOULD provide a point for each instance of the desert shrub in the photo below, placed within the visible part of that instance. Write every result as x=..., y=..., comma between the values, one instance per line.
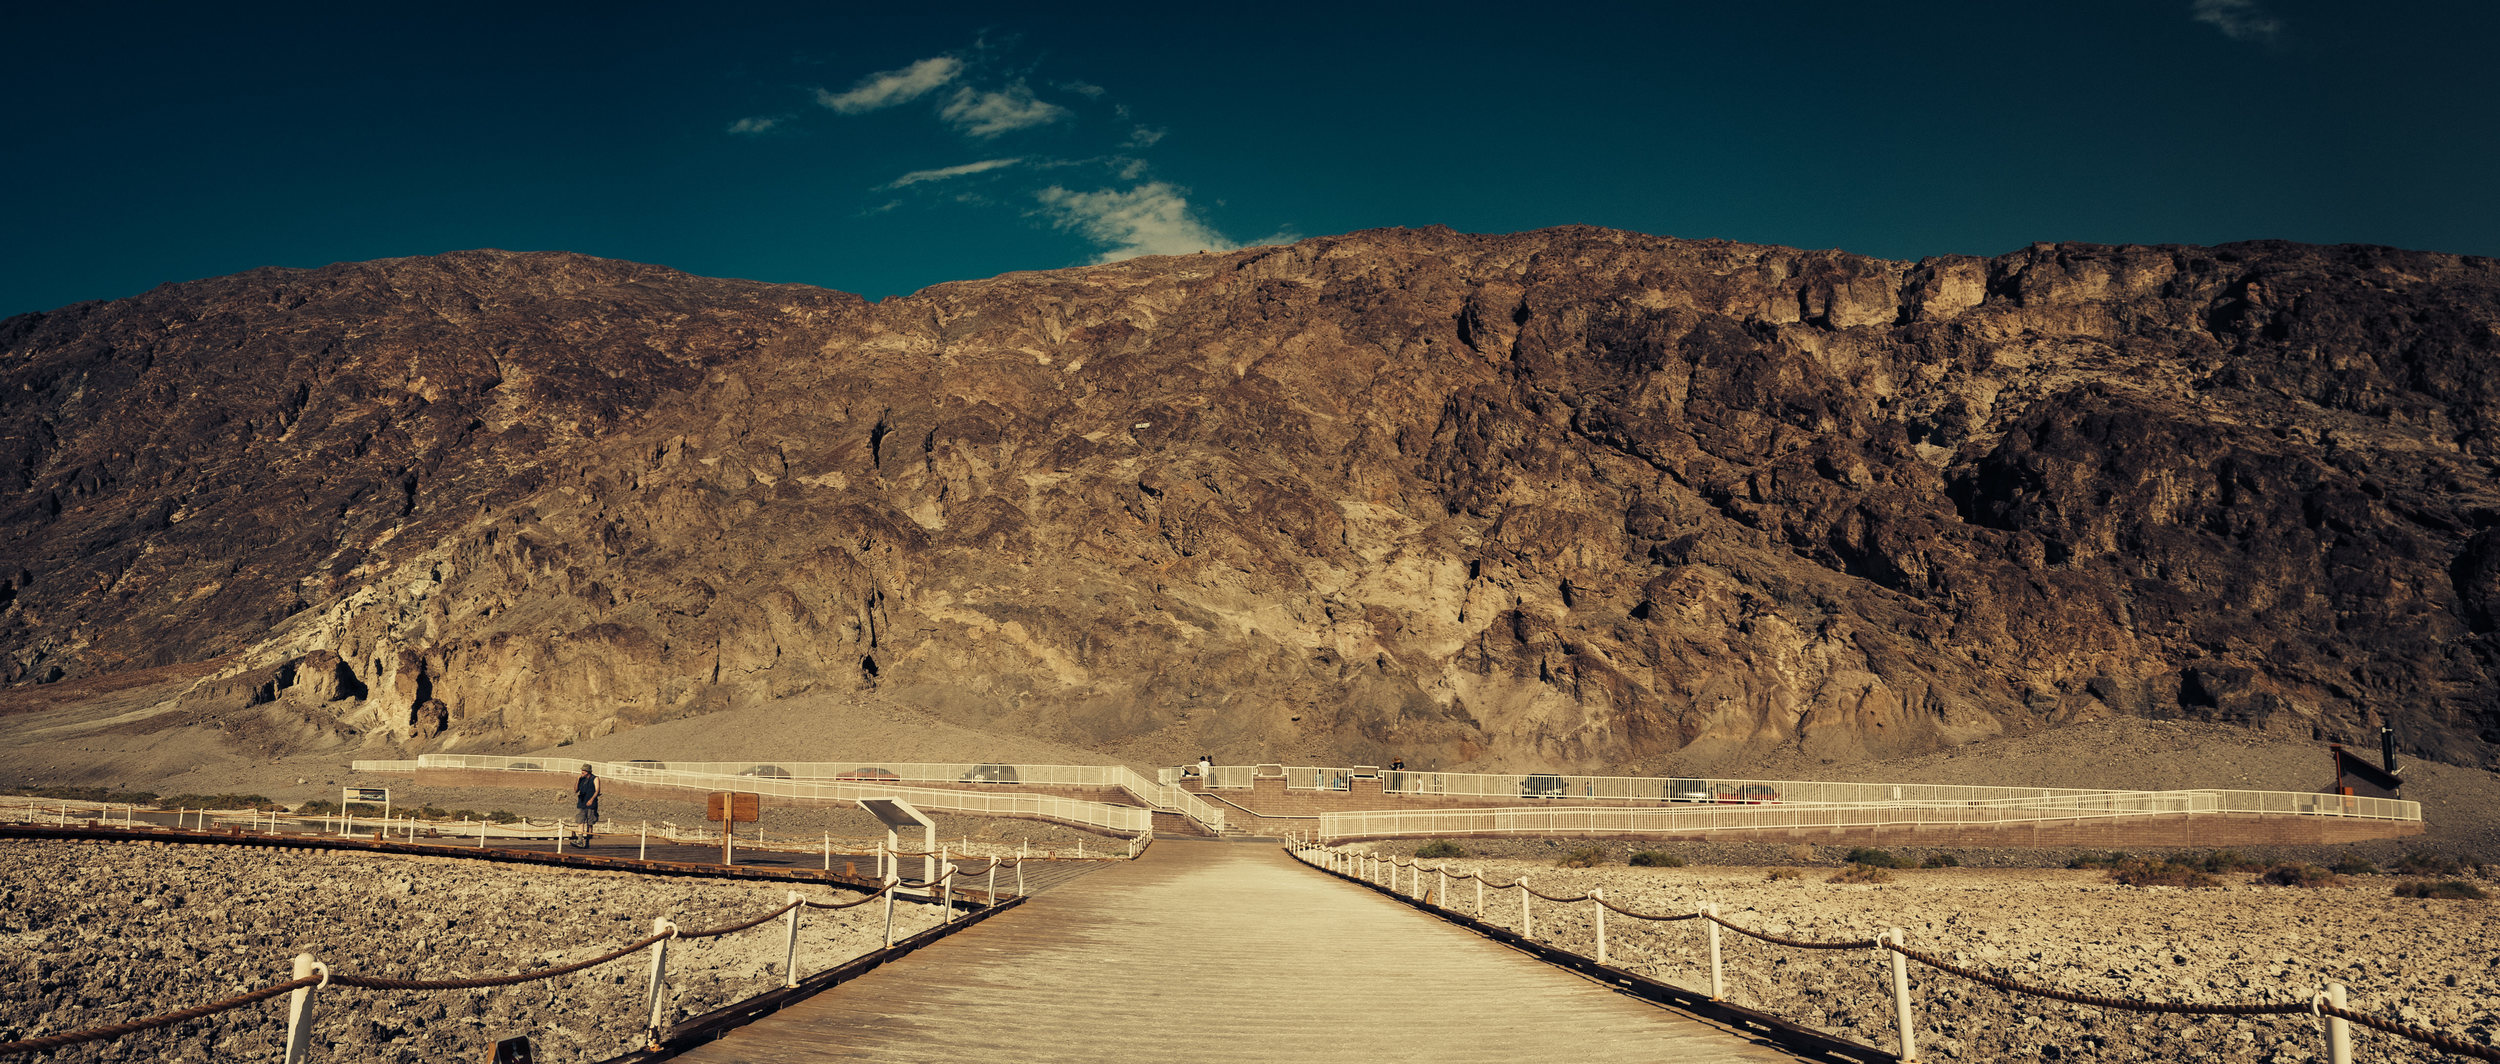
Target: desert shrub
x=2452, y=889
x=317, y=807
x=2353, y=864
x=2296, y=874
x=1941, y=860
x=2098, y=860
x=217, y=801
x=363, y=809
x=2230, y=861
x=1583, y=857
x=2156, y=872
x=430, y=811
x=1876, y=858
x=1440, y=848
x=1781, y=874
x=1655, y=859
x=2429, y=864
x=502, y=816
x=1861, y=873
x=85, y=794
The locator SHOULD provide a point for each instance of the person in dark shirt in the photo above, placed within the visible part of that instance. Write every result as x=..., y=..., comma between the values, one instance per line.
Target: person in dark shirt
x=586, y=801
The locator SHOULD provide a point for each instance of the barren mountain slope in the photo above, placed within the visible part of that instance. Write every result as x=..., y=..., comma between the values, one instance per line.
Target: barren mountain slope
x=1571, y=498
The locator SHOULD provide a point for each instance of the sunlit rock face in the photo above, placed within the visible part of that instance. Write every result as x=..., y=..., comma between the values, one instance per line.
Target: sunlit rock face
x=1573, y=497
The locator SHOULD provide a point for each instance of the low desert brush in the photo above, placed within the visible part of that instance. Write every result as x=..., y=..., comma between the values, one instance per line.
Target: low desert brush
x=2452, y=889
x=2156, y=872
x=2296, y=874
x=2230, y=861
x=1583, y=857
x=1655, y=859
x=2353, y=864
x=1861, y=873
x=1876, y=858
x=2429, y=864
x=1440, y=848
x=1941, y=860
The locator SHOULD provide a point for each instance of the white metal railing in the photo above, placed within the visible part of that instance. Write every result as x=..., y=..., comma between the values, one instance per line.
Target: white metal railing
x=1730, y=790
x=785, y=781
x=1554, y=819
x=1157, y=795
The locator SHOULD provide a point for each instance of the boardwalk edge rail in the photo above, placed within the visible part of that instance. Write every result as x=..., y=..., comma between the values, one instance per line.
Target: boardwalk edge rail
x=1804, y=1041
x=2327, y=1005
x=311, y=976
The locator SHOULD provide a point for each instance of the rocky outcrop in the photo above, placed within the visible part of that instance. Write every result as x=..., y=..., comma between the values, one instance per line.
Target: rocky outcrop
x=1573, y=497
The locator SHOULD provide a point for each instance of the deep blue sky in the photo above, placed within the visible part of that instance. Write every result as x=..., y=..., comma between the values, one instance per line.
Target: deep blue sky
x=143, y=144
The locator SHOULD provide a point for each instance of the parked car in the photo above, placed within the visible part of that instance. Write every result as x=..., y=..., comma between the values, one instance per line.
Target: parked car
x=1690, y=791
x=1751, y=794
x=869, y=775
x=991, y=774
x=775, y=772
x=1542, y=785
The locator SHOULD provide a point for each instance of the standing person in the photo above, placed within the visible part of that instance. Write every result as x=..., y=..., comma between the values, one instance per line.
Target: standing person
x=586, y=801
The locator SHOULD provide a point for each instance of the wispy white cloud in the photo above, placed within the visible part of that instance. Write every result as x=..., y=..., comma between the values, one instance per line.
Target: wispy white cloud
x=759, y=124
x=1151, y=219
x=1145, y=136
x=891, y=87
x=2240, y=20
x=942, y=173
x=988, y=114
x=1085, y=89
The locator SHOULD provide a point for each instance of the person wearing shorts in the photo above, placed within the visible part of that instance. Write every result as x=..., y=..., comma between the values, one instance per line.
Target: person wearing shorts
x=586, y=802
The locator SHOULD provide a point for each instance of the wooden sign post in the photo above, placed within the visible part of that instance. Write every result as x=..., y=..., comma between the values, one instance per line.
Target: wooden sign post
x=731, y=808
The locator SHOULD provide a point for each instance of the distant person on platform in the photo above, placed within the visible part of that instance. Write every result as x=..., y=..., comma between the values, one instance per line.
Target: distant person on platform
x=1206, y=769
x=586, y=801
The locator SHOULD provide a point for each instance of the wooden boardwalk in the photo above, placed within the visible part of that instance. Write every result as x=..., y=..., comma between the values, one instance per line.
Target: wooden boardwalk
x=1213, y=951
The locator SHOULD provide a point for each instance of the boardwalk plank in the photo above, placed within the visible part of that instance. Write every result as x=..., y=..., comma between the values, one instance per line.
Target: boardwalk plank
x=1217, y=952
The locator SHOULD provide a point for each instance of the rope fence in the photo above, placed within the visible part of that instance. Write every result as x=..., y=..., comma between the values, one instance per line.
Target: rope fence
x=2326, y=1005
x=306, y=983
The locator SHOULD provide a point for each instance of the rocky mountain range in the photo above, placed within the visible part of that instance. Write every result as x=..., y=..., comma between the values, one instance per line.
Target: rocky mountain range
x=1574, y=497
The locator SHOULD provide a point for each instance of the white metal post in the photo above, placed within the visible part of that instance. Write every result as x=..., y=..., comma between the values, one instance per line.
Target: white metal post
x=1718, y=983
x=2338, y=1029
x=993, y=887
x=1019, y=877
x=642, y=850
x=790, y=950
x=481, y=834
x=299, y=1011
x=889, y=913
x=828, y=851
x=560, y=833
x=1597, y=903
x=1527, y=920
x=659, y=974
x=1901, y=1001
x=946, y=895
x=1479, y=894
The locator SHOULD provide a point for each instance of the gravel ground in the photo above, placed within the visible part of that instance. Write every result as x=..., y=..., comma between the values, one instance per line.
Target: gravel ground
x=99, y=933
x=2430, y=963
